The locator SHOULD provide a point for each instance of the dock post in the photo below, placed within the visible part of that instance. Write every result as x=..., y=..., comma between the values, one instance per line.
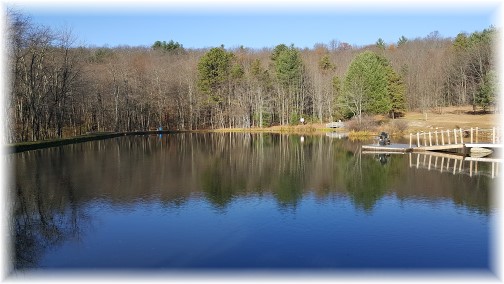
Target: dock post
x=442, y=137
x=471, y=135
x=455, y=134
x=418, y=139
x=410, y=139
x=461, y=136
x=437, y=141
x=477, y=134
x=493, y=135
x=425, y=138
x=448, y=132
x=470, y=168
x=410, y=158
x=430, y=139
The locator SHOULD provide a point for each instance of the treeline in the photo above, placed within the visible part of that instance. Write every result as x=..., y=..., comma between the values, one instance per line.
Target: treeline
x=58, y=89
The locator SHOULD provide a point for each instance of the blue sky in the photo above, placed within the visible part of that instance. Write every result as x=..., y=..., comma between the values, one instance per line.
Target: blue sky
x=195, y=27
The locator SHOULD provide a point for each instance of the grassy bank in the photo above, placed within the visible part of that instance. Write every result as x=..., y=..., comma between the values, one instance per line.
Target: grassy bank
x=412, y=122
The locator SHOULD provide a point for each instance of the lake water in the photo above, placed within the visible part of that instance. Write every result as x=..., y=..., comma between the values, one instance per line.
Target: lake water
x=246, y=201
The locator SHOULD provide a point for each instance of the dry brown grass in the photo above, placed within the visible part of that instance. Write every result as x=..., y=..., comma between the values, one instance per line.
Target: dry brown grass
x=441, y=118
x=449, y=118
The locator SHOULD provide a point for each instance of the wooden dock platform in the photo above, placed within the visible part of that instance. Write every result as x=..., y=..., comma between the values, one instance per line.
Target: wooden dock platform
x=389, y=148
x=414, y=148
x=431, y=150
x=443, y=141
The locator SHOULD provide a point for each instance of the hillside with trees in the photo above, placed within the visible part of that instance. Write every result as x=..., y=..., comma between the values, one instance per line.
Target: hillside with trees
x=58, y=89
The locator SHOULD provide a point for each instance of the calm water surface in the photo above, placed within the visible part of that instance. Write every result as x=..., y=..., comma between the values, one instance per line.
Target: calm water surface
x=245, y=201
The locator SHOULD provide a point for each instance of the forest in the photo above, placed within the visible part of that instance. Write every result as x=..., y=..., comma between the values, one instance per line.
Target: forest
x=59, y=89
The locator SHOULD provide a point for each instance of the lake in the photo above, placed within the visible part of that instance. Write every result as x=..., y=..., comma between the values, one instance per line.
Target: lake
x=246, y=201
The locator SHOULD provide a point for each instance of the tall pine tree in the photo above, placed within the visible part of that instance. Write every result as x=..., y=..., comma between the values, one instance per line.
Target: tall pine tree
x=396, y=92
x=365, y=86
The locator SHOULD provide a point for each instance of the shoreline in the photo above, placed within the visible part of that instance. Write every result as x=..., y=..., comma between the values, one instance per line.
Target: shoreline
x=451, y=118
x=35, y=145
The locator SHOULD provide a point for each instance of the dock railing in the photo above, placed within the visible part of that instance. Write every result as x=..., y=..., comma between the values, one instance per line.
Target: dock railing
x=455, y=137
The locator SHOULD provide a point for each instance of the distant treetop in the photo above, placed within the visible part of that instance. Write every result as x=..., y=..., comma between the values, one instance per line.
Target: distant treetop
x=402, y=41
x=170, y=46
x=380, y=43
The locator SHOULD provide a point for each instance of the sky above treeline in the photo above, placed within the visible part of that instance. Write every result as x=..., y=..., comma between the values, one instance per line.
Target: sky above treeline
x=259, y=24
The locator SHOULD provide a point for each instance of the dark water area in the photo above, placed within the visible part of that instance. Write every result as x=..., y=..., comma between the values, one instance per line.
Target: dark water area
x=246, y=201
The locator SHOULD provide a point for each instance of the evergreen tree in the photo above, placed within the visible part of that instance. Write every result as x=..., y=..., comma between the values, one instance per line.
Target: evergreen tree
x=213, y=72
x=288, y=67
x=402, y=41
x=487, y=91
x=396, y=92
x=289, y=75
x=237, y=72
x=325, y=64
x=171, y=46
x=380, y=44
x=461, y=42
x=277, y=50
x=365, y=86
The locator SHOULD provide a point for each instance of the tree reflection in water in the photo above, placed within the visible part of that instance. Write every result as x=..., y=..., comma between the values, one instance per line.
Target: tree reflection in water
x=53, y=188
x=46, y=209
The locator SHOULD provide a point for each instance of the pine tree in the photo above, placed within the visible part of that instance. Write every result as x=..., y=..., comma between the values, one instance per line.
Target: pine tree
x=278, y=49
x=365, y=86
x=396, y=92
x=325, y=64
x=288, y=66
x=213, y=72
x=289, y=74
x=402, y=41
x=380, y=44
x=171, y=46
x=487, y=91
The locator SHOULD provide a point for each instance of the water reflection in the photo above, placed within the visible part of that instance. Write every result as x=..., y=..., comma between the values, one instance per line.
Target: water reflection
x=456, y=164
x=55, y=187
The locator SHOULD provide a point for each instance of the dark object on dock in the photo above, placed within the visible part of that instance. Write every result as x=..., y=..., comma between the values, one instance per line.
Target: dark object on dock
x=384, y=139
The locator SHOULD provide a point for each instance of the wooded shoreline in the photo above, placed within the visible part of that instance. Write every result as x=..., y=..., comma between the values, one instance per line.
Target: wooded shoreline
x=449, y=118
x=60, y=89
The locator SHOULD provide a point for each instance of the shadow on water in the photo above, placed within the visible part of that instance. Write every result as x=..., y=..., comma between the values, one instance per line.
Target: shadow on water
x=54, y=188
